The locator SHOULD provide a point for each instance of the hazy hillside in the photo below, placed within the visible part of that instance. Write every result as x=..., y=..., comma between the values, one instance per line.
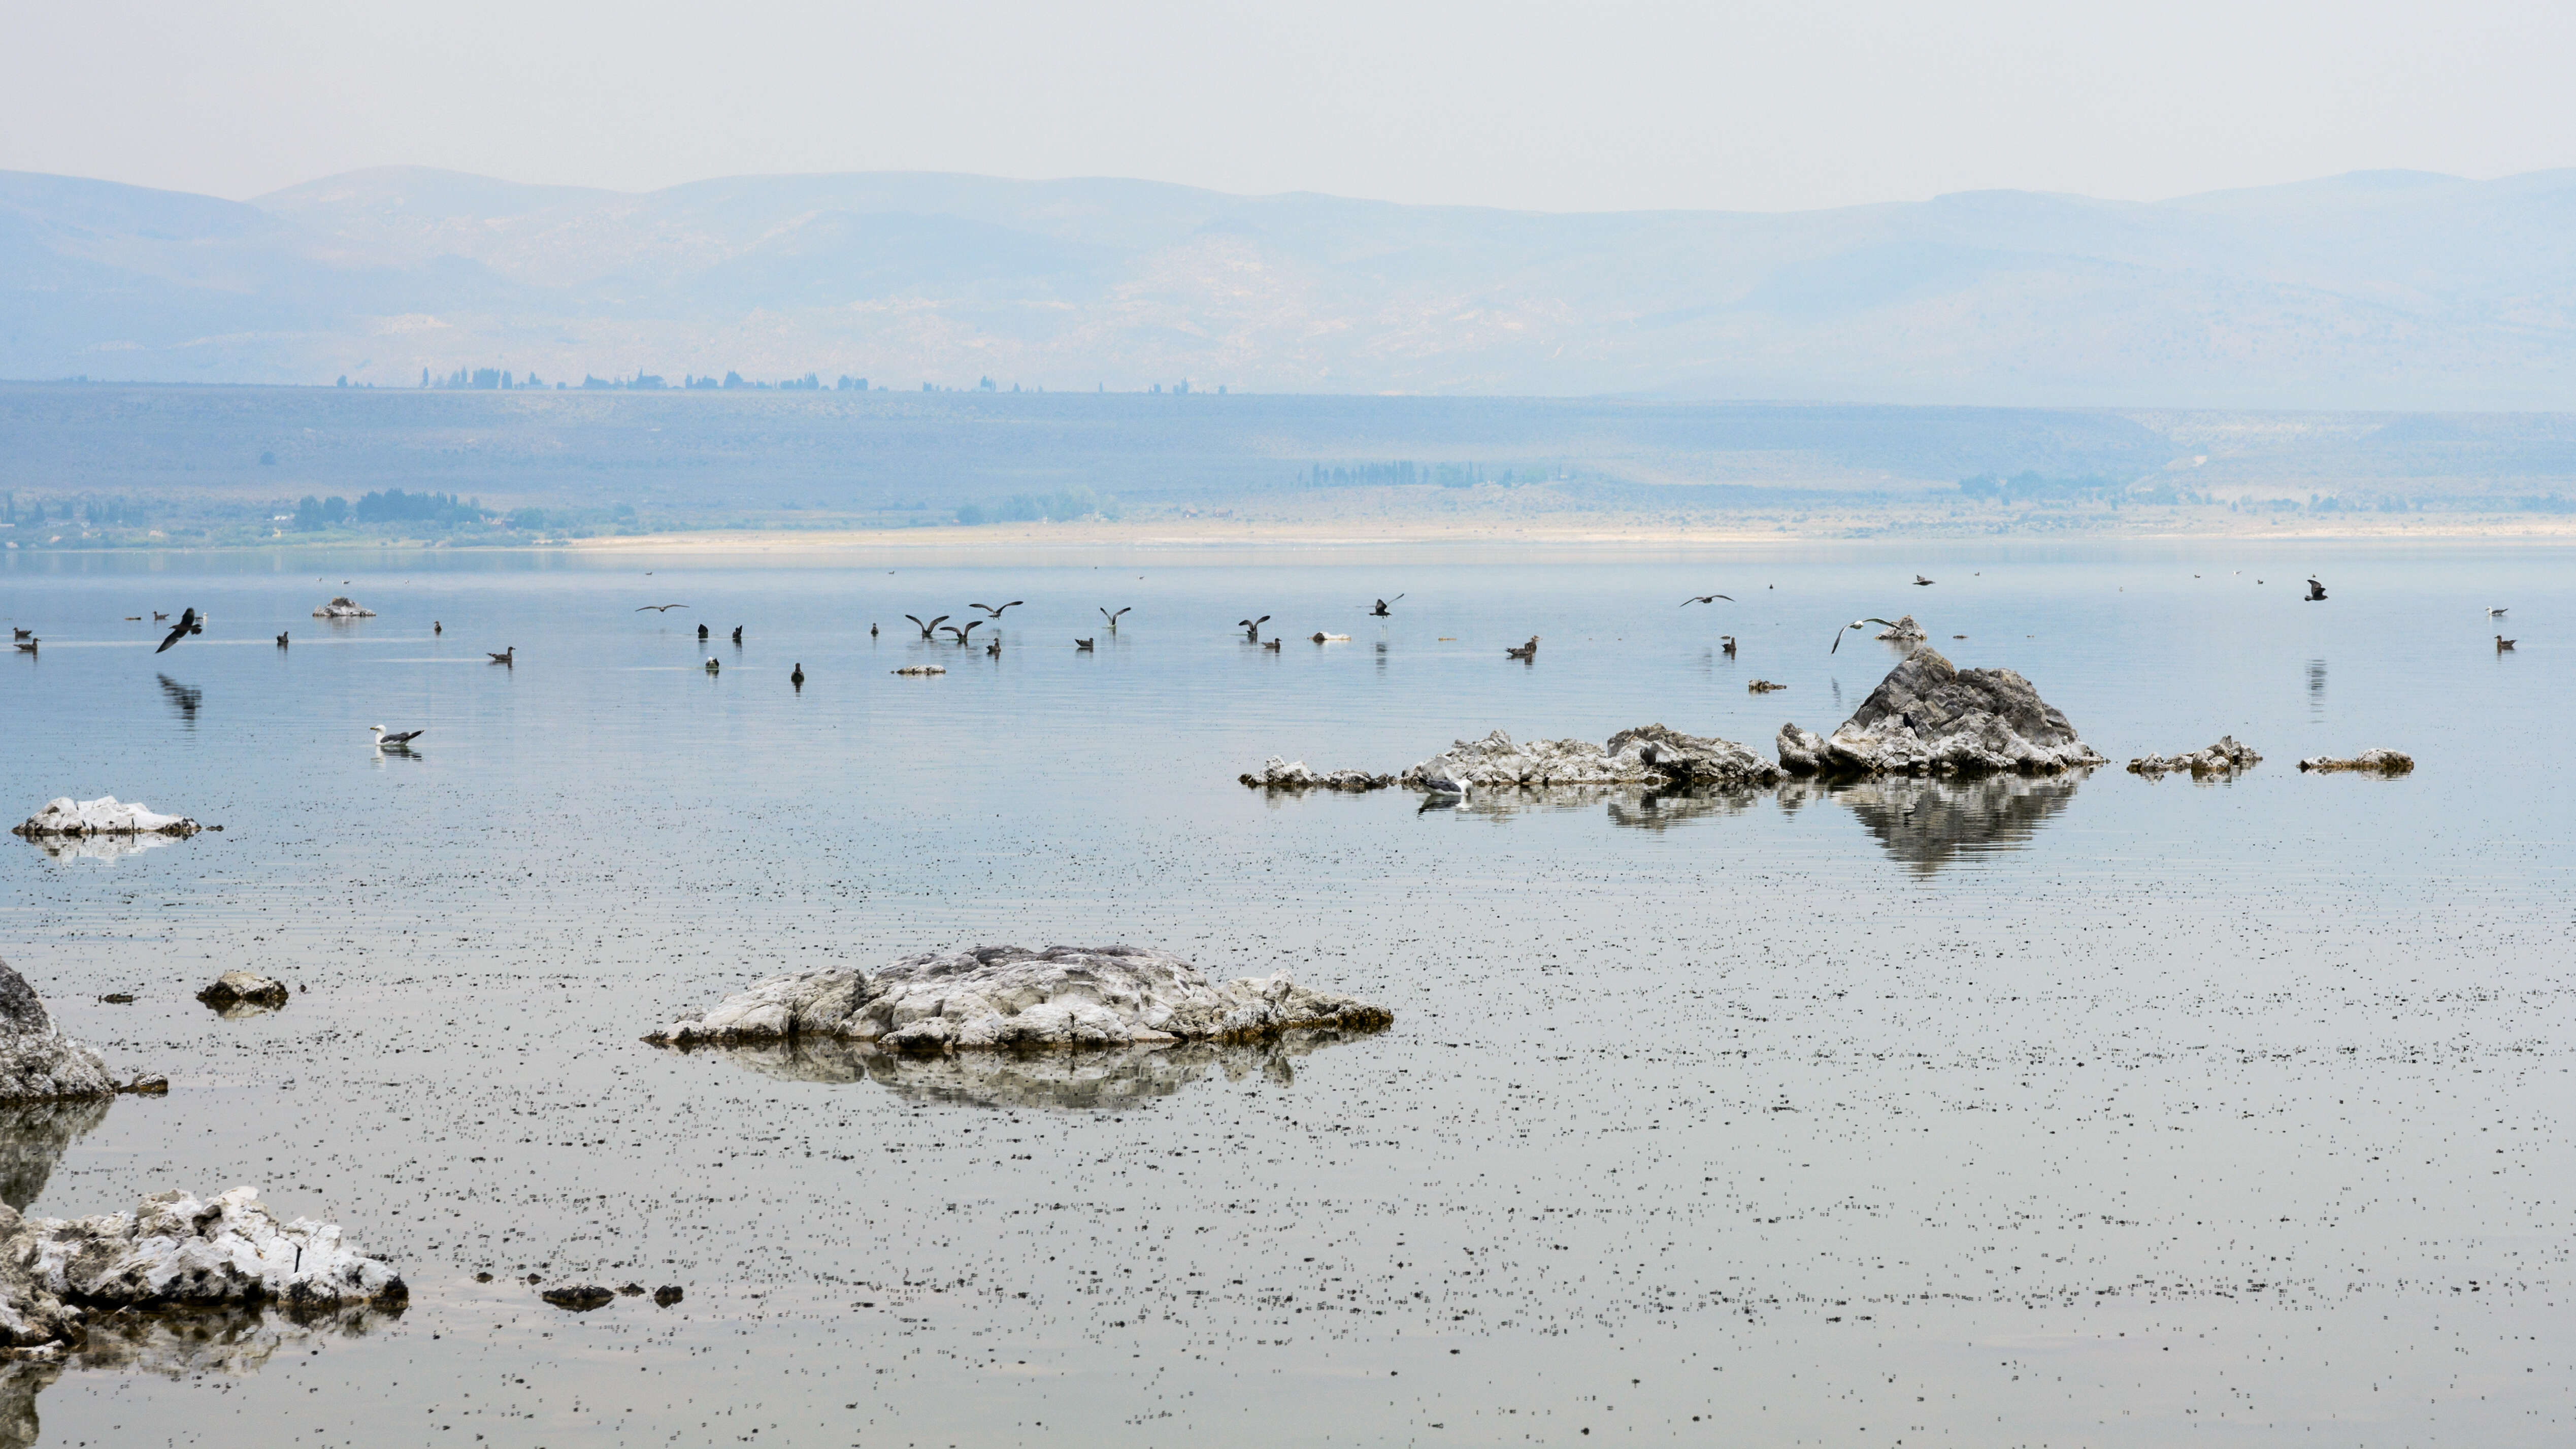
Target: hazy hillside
x=2380, y=290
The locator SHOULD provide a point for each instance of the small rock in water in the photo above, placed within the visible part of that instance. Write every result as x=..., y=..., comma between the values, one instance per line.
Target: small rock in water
x=1279, y=775
x=2375, y=762
x=631, y=1290
x=666, y=1295
x=344, y=607
x=2223, y=758
x=580, y=1298
x=1015, y=998
x=1762, y=686
x=105, y=815
x=243, y=988
x=922, y=669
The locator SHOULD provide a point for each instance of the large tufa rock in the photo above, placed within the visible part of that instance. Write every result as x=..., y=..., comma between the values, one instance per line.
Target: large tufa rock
x=2224, y=758
x=38, y=1063
x=1012, y=997
x=344, y=607
x=1281, y=775
x=2375, y=762
x=1929, y=717
x=105, y=815
x=175, y=1251
x=1651, y=755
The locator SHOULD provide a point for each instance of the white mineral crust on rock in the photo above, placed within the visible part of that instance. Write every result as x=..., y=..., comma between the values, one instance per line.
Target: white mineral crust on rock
x=2223, y=758
x=1903, y=631
x=1282, y=775
x=1650, y=755
x=344, y=607
x=175, y=1250
x=105, y=815
x=2376, y=762
x=1012, y=997
x=1929, y=717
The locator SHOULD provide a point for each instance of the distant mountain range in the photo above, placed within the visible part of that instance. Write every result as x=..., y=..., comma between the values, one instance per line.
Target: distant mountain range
x=2372, y=290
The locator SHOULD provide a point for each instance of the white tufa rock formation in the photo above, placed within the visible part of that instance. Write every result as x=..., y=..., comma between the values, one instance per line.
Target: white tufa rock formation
x=2373, y=762
x=1012, y=997
x=174, y=1251
x=1280, y=775
x=344, y=607
x=1929, y=717
x=1649, y=755
x=2224, y=758
x=105, y=815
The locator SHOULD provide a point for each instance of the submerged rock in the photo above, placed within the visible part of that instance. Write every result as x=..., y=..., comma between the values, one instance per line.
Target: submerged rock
x=581, y=1297
x=918, y=670
x=244, y=988
x=2376, y=762
x=175, y=1251
x=1012, y=997
x=1280, y=775
x=344, y=607
x=1929, y=717
x=2223, y=758
x=38, y=1063
x=1649, y=755
x=105, y=815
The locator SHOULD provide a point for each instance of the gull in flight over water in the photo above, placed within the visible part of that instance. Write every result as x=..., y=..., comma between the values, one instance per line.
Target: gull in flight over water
x=1854, y=624
x=659, y=608
x=1705, y=599
x=188, y=624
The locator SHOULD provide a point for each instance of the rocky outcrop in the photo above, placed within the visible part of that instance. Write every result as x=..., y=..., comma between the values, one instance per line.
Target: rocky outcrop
x=2223, y=758
x=344, y=607
x=1693, y=759
x=174, y=1251
x=1929, y=717
x=2375, y=762
x=244, y=989
x=38, y=1063
x=918, y=671
x=1650, y=755
x=105, y=815
x=1281, y=775
x=1014, y=998
x=1903, y=631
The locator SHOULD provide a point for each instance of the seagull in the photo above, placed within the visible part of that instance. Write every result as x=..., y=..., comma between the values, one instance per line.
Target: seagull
x=188, y=624
x=436, y=627
x=798, y=678
x=702, y=633
x=995, y=610
x=2503, y=643
x=160, y=618
x=971, y=627
x=1524, y=653
x=386, y=742
x=1729, y=641
x=1270, y=644
x=925, y=628
x=2316, y=591
x=18, y=633
x=737, y=633
x=1252, y=627
x=2495, y=613
x=28, y=644
x=993, y=647
x=509, y=656
x=1921, y=582
x=281, y=639
x=1705, y=599
x=1321, y=637
x=1854, y=624
x=1113, y=618
x=1083, y=646
x=713, y=664
x=872, y=631
x=659, y=608
x=1381, y=611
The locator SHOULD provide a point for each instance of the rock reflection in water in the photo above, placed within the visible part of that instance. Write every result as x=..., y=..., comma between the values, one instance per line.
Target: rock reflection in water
x=1075, y=1080
x=1652, y=811
x=1930, y=823
x=97, y=847
x=34, y=1136
x=178, y=1345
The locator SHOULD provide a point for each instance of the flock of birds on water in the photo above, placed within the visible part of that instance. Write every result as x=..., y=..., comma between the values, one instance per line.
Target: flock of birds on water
x=190, y=623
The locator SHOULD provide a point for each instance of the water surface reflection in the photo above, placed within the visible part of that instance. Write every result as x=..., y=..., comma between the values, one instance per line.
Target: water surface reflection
x=1073, y=1080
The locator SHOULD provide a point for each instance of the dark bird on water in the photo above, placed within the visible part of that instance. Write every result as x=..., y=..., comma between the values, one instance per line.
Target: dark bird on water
x=18, y=633
x=1705, y=599
x=659, y=608
x=993, y=647
x=2503, y=643
x=798, y=678
x=1728, y=642
x=1270, y=644
x=1113, y=618
x=509, y=656
x=134, y=618
x=1854, y=624
x=972, y=625
x=1381, y=611
x=924, y=628
x=1082, y=646
x=1252, y=627
x=281, y=639
x=994, y=611
x=1526, y=652
x=436, y=627
x=160, y=618
x=188, y=624
x=737, y=633
x=702, y=633
x=28, y=644
x=872, y=631
x=1921, y=582
x=2316, y=592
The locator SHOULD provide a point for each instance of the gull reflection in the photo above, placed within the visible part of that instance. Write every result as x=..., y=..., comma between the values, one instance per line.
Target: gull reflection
x=185, y=698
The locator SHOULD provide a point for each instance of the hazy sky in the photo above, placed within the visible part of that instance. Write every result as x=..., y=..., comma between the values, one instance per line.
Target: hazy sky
x=1558, y=107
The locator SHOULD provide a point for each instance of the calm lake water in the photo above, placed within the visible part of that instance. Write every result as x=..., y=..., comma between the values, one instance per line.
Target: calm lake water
x=2094, y=1112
